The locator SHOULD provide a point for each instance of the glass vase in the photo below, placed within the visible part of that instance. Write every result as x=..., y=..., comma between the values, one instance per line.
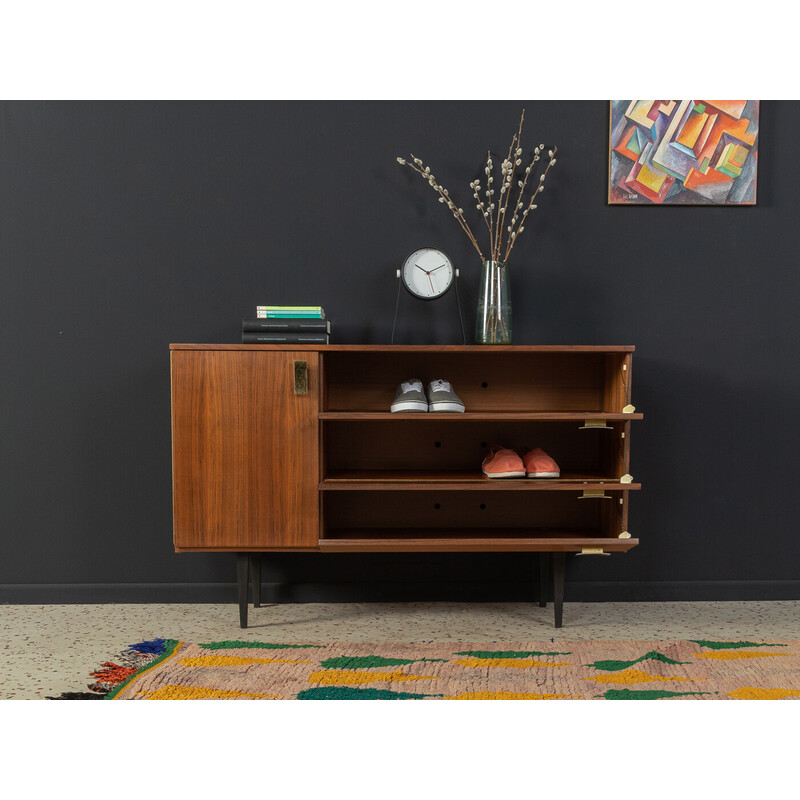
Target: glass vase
x=493, y=324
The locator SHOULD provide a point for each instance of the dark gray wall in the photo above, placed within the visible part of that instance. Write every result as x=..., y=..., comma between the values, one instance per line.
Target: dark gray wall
x=125, y=226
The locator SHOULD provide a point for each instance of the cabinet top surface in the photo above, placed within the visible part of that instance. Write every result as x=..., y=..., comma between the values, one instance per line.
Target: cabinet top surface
x=413, y=348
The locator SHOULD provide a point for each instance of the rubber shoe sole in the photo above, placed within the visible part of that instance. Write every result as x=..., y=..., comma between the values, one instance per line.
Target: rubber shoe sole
x=457, y=407
x=504, y=474
x=408, y=405
x=543, y=475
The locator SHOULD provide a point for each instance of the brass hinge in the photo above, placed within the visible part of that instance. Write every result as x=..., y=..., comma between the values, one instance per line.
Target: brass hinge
x=594, y=423
x=587, y=493
x=592, y=551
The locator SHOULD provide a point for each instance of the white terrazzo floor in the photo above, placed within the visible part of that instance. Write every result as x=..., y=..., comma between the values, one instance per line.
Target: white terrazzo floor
x=50, y=649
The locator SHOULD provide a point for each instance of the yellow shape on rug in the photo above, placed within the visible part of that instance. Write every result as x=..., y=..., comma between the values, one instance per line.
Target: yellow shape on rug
x=350, y=677
x=636, y=676
x=721, y=654
x=754, y=693
x=506, y=662
x=173, y=692
x=234, y=661
x=509, y=696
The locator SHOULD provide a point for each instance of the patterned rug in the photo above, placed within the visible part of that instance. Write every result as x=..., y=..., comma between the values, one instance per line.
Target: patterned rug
x=670, y=669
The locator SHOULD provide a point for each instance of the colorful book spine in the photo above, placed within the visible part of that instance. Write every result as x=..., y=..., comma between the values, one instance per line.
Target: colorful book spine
x=290, y=315
x=290, y=308
x=317, y=311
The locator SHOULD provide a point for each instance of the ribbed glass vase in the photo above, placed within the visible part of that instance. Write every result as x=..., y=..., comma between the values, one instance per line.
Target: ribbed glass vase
x=493, y=323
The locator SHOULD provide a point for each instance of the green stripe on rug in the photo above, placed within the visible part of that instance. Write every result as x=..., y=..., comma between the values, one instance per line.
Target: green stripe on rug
x=611, y=665
x=236, y=645
x=732, y=645
x=643, y=694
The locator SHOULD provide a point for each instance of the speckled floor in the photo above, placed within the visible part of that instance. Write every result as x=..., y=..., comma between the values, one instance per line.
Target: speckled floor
x=50, y=649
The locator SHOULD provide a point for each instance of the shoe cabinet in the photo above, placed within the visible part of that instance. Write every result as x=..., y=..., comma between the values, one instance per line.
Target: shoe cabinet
x=293, y=448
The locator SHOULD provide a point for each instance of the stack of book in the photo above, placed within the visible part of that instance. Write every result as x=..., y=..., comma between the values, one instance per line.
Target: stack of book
x=287, y=325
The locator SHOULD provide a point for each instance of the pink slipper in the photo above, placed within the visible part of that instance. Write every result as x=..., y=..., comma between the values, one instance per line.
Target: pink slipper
x=539, y=465
x=502, y=463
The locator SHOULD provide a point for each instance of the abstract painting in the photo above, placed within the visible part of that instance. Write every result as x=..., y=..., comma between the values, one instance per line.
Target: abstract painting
x=683, y=152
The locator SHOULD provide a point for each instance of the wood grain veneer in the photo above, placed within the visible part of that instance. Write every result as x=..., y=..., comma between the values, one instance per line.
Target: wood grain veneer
x=244, y=449
x=258, y=468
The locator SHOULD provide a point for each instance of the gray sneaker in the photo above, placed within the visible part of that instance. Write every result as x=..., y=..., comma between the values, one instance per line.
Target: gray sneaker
x=442, y=397
x=410, y=397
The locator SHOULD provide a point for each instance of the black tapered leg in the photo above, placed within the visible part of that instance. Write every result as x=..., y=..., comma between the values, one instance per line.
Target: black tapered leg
x=544, y=563
x=255, y=578
x=242, y=565
x=558, y=587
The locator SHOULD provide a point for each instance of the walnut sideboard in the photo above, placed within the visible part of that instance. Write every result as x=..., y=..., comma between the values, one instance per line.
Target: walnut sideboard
x=293, y=448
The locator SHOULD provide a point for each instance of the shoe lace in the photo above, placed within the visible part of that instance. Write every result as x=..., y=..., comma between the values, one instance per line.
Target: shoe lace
x=439, y=386
x=408, y=386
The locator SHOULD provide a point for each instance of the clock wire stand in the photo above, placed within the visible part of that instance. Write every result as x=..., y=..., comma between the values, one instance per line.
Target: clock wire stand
x=458, y=306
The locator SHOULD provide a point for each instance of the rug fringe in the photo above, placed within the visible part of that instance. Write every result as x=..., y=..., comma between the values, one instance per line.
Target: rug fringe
x=111, y=674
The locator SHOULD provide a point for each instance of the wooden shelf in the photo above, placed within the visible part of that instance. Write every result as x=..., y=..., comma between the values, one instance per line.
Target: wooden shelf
x=469, y=540
x=456, y=480
x=468, y=416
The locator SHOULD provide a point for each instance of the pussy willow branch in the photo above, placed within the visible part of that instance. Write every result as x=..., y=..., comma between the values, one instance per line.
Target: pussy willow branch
x=495, y=223
x=518, y=203
x=489, y=196
x=514, y=235
x=445, y=198
x=476, y=185
x=512, y=157
x=498, y=236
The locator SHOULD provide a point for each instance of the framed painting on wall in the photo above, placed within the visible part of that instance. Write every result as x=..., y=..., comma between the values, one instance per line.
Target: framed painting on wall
x=683, y=152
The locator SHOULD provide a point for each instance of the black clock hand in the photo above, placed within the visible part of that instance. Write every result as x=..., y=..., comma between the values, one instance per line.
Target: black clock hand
x=419, y=267
x=435, y=268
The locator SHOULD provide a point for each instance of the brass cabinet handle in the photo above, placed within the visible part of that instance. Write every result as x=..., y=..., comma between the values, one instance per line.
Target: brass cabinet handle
x=301, y=377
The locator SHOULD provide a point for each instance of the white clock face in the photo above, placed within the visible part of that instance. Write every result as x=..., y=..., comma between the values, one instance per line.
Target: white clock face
x=428, y=273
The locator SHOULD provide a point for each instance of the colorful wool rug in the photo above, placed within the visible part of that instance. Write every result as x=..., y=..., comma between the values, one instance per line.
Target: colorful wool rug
x=671, y=669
